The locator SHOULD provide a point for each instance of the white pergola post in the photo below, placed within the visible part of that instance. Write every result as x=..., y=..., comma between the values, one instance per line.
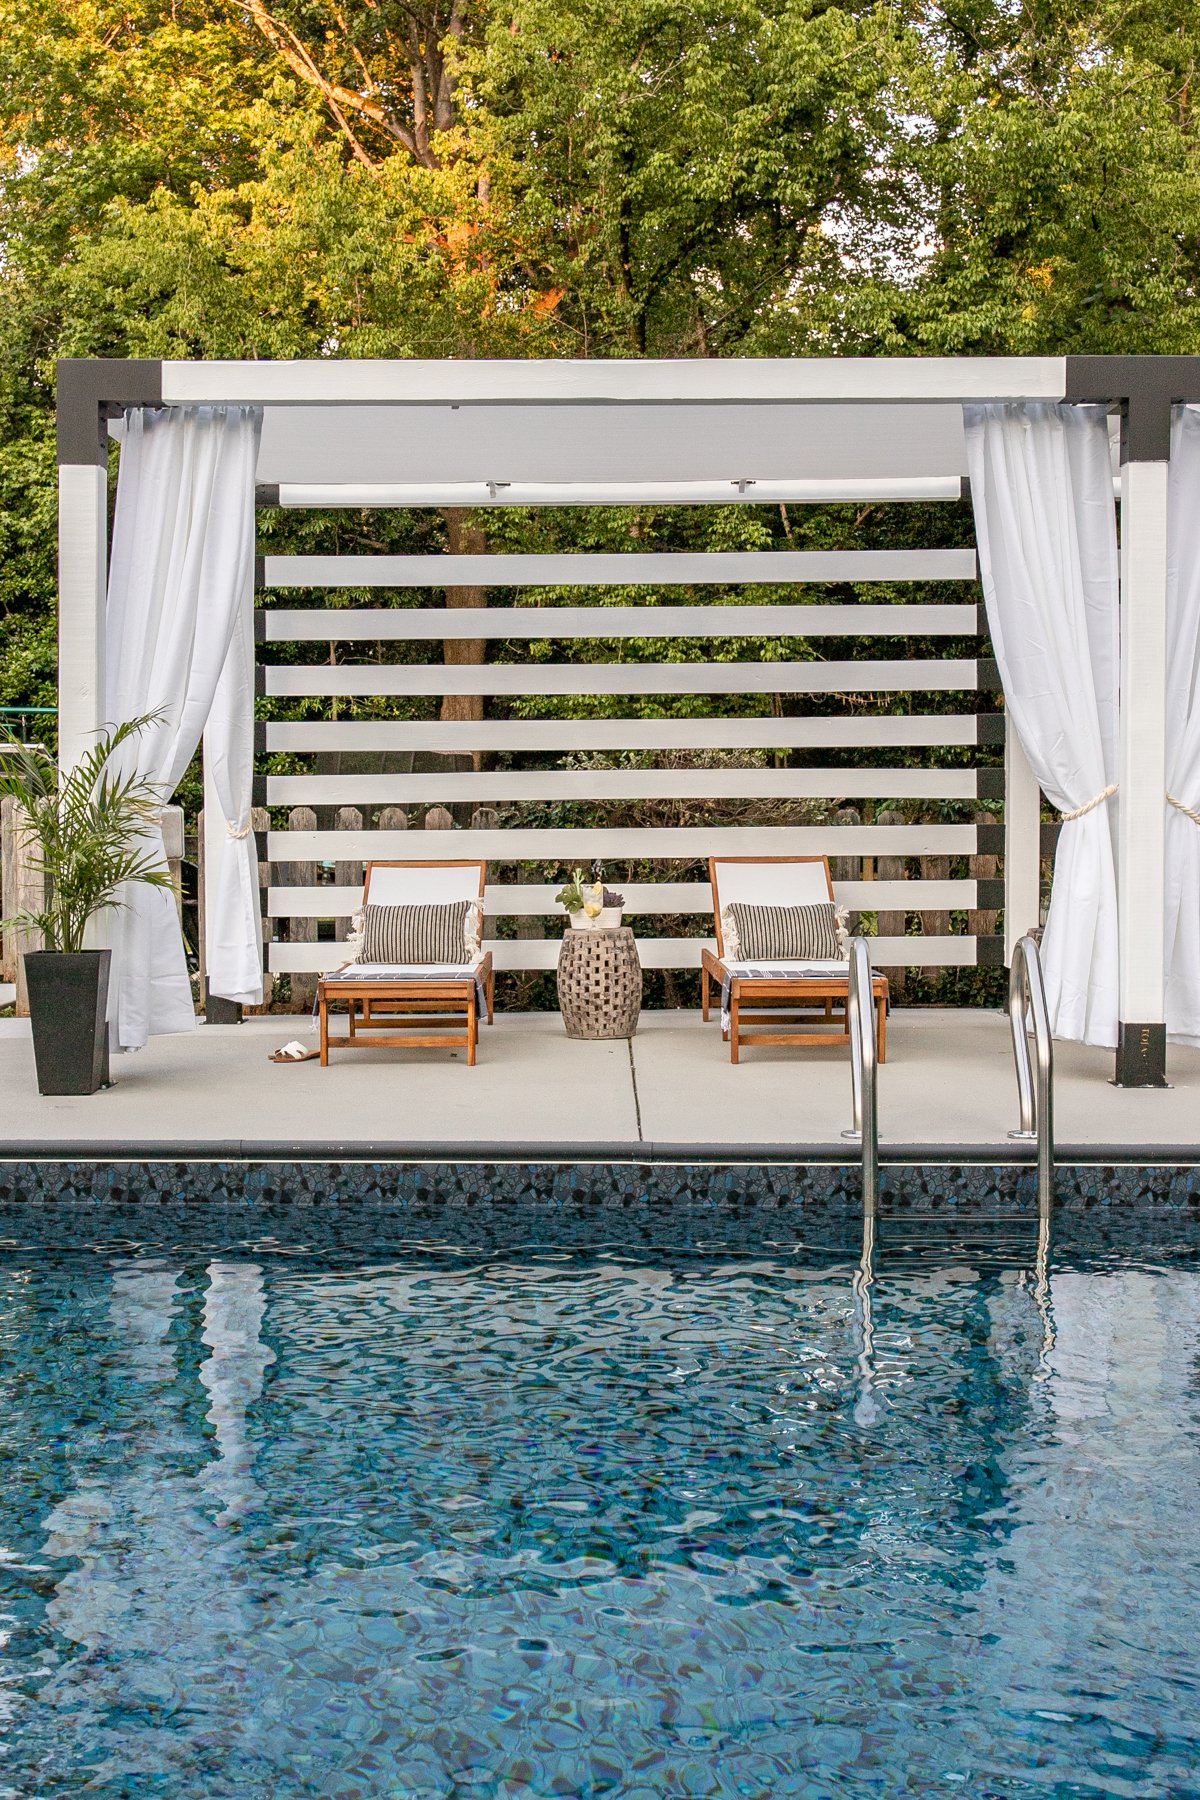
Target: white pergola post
x=1022, y=844
x=1141, y=1046
x=87, y=392
x=82, y=578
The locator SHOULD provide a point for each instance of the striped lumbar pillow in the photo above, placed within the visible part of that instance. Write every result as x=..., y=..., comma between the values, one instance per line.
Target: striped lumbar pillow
x=416, y=934
x=786, y=933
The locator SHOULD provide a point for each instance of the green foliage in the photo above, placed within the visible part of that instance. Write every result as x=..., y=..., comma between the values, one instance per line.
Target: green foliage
x=405, y=178
x=88, y=828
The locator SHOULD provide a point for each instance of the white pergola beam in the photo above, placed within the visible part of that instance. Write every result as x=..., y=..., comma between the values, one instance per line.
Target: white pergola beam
x=681, y=381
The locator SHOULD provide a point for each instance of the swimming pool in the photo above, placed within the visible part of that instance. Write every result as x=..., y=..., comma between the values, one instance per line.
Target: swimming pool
x=286, y=1519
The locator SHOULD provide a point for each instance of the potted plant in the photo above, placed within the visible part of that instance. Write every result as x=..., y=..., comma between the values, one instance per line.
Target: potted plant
x=87, y=832
x=590, y=906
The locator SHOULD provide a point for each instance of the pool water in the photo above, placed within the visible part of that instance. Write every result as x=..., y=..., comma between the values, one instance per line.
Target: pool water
x=435, y=1521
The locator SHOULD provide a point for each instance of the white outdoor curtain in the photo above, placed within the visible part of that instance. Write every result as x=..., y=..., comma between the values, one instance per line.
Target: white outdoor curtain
x=178, y=637
x=1182, y=831
x=1041, y=482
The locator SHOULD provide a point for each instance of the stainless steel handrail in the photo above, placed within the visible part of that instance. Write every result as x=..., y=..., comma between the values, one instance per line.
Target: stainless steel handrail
x=864, y=1072
x=1027, y=1008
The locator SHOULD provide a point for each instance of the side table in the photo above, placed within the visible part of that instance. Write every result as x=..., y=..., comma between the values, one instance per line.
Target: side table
x=599, y=983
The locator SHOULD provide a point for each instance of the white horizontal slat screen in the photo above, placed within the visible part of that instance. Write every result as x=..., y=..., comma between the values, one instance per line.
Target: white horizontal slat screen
x=749, y=744
x=671, y=842
x=889, y=731
x=653, y=953
x=622, y=784
x=951, y=675
x=429, y=624
x=623, y=569
x=641, y=898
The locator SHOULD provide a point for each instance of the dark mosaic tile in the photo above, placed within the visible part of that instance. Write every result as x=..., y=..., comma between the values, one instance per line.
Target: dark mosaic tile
x=639, y=1194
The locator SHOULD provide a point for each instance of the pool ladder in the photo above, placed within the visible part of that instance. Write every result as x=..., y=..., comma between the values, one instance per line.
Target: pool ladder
x=864, y=1073
x=1035, y=1089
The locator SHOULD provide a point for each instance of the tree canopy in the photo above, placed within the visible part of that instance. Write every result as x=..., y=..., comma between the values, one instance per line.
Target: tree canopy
x=568, y=178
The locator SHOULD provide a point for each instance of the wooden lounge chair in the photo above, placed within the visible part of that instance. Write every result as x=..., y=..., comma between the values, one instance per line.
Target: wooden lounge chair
x=427, y=1007
x=783, y=1008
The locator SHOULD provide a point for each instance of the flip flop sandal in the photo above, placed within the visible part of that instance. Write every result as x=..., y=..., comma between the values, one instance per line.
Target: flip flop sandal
x=295, y=1052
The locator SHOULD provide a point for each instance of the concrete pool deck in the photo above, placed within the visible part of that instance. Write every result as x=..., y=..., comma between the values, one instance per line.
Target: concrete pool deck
x=670, y=1093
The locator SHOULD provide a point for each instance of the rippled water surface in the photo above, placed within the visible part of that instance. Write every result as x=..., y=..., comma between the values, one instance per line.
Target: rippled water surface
x=442, y=1522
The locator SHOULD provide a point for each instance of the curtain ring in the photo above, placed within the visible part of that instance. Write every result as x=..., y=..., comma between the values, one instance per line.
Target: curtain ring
x=1089, y=805
x=233, y=832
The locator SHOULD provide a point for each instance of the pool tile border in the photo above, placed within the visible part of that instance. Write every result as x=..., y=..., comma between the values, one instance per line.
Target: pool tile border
x=588, y=1189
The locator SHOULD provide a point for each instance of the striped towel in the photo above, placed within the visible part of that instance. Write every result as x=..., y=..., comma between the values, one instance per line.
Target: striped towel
x=413, y=972
x=777, y=971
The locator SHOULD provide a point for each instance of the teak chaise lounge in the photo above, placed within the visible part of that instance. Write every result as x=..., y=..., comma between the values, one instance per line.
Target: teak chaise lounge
x=779, y=1003
x=422, y=1006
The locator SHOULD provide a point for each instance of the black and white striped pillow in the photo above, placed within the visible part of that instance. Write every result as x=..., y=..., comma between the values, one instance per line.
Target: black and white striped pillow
x=416, y=934
x=786, y=933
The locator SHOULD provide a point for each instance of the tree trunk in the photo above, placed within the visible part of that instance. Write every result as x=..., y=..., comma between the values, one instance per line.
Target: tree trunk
x=936, y=921
x=463, y=540
x=892, y=924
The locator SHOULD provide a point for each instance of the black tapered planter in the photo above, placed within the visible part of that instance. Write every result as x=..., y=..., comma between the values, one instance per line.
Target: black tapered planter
x=68, y=1003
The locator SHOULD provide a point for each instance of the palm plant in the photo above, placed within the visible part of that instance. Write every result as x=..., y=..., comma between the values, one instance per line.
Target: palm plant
x=88, y=828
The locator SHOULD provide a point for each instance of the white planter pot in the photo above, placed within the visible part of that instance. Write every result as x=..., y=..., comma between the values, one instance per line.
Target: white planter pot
x=607, y=919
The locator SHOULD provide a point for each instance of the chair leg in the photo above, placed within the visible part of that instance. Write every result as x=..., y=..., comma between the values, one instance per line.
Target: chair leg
x=324, y=1010
x=704, y=995
x=491, y=997
x=881, y=1022
x=733, y=1030
x=471, y=1032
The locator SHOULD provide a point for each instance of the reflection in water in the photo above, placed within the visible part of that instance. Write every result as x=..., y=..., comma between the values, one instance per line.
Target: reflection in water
x=558, y=1524
x=233, y=1374
x=104, y=1525
x=866, y=1408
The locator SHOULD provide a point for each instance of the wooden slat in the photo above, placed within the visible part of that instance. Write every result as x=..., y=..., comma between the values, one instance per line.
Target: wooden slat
x=560, y=785
x=663, y=568
x=424, y=624
x=916, y=675
x=653, y=953
x=885, y=731
x=565, y=844
x=641, y=898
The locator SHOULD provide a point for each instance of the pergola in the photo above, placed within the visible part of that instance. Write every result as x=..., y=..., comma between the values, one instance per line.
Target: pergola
x=476, y=434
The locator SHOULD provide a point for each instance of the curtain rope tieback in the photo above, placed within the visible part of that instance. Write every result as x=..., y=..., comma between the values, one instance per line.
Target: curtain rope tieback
x=1089, y=805
x=1187, y=811
x=233, y=831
